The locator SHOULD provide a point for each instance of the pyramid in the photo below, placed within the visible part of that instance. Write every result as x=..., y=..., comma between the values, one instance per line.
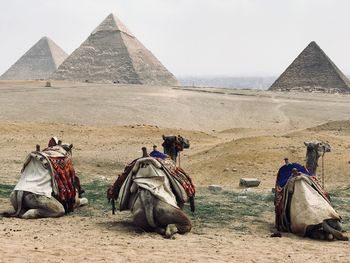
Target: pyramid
x=39, y=62
x=312, y=70
x=113, y=54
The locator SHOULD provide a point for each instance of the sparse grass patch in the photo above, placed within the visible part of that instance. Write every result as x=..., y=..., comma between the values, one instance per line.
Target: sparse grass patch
x=341, y=192
x=233, y=210
x=95, y=192
x=238, y=211
x=340, y=198
x=5, y=190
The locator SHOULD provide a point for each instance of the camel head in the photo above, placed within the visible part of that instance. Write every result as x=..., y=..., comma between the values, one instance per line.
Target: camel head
x=183, y=141
x=67, y=147
x=315, y=149
x=173, y=144
x=178, y=141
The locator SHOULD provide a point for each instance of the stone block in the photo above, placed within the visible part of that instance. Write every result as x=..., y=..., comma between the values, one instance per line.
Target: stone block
x=249, y=182
x=215, y=187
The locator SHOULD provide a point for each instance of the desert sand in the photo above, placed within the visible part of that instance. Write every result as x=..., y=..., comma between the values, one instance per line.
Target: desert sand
x=233, y=134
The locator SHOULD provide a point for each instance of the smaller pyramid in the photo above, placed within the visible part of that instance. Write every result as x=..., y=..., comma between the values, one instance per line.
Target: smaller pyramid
x=112, y=54
x=39, y=62
x=312, y=70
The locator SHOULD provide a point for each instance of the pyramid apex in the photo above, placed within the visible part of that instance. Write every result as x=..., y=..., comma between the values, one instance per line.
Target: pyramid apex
x=112, y=23
x=313, y=44
x=44, y=38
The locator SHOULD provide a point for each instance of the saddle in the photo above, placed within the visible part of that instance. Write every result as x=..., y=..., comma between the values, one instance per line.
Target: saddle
x=181, y=184
x=300, y=203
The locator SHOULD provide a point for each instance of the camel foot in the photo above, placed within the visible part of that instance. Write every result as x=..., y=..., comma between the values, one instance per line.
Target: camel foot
x=343, y=238
x=83, y=201
x=170, y=230
x=276, y=234
x=329, y=237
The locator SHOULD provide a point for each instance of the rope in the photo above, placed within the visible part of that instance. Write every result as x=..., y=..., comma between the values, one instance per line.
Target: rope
x=324, y=151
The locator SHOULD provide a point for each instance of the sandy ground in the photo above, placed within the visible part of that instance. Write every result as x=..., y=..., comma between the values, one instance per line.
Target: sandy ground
x=233, y=134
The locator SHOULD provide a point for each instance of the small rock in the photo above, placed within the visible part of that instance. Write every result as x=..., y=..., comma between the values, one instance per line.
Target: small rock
x=234, y=170
x=215, y=187
x=249, y=182
x=226, y=170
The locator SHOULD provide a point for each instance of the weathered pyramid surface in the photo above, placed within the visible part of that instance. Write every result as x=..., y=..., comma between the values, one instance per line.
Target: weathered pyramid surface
x=39, y=62
x=113, y=54
x=312, y=70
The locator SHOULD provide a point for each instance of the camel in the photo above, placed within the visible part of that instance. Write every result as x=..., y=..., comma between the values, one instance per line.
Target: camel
x=174, y=144
x=48, y=186
x=146, y=189
x=302, y=206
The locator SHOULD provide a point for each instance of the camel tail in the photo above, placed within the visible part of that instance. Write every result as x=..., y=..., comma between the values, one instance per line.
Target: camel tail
x=146, y=198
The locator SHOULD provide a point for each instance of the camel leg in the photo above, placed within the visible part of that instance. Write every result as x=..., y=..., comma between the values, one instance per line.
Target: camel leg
x=315, y=232
x=16, y=198
x=13, y=200
x=166, y=215
x=335, y=224
x=80, y=201
x=42, y=206
x=151, y=214
x=327, y=227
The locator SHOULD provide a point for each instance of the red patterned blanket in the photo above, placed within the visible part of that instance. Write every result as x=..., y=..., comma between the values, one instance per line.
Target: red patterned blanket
x=64, y=176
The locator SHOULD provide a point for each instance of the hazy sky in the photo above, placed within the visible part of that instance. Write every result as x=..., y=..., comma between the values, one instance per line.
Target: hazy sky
x=190, y=37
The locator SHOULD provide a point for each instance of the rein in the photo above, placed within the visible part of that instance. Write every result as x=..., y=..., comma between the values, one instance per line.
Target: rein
x=324, y=151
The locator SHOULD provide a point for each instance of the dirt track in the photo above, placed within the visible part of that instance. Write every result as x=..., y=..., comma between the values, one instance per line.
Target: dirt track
x=233, y=134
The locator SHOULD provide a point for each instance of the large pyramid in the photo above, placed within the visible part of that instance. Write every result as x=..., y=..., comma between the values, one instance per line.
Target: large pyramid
x=113, y=54
x=312, y=70
x=39, y=62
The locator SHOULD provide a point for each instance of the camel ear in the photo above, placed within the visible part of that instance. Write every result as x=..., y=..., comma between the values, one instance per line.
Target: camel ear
x=71, y=146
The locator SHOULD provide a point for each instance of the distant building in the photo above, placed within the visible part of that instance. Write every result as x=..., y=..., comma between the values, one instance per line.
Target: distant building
x=113, y=54
x=39, y=62
x=312, y=70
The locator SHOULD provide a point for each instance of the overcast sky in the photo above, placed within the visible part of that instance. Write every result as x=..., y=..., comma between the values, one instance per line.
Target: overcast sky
x=190, y=37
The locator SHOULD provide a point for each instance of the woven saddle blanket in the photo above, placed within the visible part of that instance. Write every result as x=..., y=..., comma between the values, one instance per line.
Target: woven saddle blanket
x=174, y=181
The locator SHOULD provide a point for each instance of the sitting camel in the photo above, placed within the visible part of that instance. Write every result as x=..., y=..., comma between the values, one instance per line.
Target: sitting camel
x=301, y=204
x=154, y=190
x=48, y=186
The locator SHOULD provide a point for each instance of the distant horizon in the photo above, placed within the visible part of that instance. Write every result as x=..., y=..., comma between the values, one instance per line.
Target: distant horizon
x=207, y=37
